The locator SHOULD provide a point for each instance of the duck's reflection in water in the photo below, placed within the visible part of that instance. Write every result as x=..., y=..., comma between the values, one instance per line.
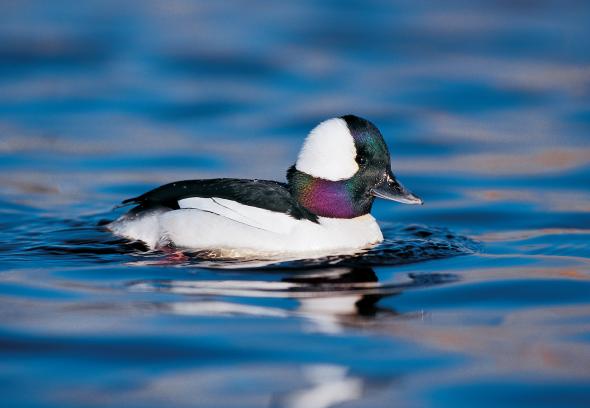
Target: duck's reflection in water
x=333, y=298
x=329, y=300
x=329, y=385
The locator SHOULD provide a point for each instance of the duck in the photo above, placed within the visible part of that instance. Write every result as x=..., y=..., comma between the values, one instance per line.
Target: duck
x=324, y=208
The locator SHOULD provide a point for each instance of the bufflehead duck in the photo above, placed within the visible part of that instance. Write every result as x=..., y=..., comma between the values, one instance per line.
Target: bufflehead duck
x=324, y=208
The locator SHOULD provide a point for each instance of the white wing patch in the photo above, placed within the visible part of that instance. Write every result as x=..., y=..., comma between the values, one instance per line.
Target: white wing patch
x=329, y=152
x=253, y=216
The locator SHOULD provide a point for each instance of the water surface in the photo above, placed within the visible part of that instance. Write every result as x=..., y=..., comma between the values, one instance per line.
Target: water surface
x=481, y=297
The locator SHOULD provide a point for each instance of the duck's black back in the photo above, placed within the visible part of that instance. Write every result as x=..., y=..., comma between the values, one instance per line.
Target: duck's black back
x=266, y=194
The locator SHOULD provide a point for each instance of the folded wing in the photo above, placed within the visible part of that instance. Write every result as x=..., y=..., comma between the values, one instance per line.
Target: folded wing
x=256, y=217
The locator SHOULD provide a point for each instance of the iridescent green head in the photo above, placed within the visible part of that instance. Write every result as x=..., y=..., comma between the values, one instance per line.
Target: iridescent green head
x=343, y=165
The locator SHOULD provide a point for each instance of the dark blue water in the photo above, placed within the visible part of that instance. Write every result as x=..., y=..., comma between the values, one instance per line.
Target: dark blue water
x=481, y=297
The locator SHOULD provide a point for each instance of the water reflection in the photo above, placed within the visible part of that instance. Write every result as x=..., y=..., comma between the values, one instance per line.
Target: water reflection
x=329, y=299
x=328, y=385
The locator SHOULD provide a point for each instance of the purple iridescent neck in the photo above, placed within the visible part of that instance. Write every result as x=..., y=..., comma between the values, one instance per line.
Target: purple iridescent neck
x=332, y=199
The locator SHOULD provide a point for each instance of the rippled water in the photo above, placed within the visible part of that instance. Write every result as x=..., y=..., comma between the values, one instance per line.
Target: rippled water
x=481, y=297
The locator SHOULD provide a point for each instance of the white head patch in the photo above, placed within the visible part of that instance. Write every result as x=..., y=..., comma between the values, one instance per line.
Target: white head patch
x=328, y=152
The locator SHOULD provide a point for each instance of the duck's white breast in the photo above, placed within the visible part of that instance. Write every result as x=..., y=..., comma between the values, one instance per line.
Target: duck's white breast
x=239, y=230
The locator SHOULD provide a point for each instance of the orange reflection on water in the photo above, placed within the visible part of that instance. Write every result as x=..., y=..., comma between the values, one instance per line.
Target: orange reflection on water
x=555, y=200
x=531, y=162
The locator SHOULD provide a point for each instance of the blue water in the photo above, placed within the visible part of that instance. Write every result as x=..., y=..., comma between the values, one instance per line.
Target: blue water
x=481, y=297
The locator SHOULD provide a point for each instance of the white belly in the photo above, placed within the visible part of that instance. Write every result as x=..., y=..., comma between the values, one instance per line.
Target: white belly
x=241, y=231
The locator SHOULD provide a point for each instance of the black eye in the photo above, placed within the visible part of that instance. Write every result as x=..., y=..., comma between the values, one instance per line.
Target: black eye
x=361, y=160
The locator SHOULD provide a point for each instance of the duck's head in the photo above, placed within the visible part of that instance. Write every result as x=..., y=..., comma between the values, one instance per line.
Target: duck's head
x=343, y=165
